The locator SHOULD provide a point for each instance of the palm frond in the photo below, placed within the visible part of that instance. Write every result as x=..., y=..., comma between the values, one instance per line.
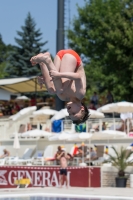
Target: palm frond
x=121, y=158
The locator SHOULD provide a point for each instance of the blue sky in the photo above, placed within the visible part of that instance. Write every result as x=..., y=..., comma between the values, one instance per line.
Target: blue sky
x=14, y=12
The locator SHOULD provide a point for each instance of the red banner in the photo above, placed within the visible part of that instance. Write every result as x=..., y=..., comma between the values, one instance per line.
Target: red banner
x=48, y=176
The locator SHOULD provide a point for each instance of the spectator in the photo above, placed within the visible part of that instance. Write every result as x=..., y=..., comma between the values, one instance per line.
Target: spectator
x=61, y=152
x=63, y=169
x=97, y=128
x=120, y=127
x=5, y=153
x=92, y=155
x=58, y=155
x=2, y=110
x=80, y=152
x=17, y=107
x=92, y=106
x=103, y=100
x=33, y=100
x=104, y=126
x=94, y=99
x=109, y=97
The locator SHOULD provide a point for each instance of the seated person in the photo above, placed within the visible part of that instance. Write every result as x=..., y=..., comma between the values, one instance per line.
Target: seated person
x=104, y=126
x=122, y=127
x=96, y=127
x=80, y=152
x=119, y=127
x=5, y=153
x=92, y=106
x=92, y=155
x=84, y=148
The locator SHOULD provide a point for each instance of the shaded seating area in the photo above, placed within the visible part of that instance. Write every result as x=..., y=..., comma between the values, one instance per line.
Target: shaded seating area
x=49, y=155
x=25, y=159
x=100, y=155
x=38, y=158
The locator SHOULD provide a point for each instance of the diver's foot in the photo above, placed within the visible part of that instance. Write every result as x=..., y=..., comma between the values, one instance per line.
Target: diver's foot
x=41, y=57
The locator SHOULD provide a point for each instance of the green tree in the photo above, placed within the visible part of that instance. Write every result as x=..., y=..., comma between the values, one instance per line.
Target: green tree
x=103, y=35
x=4, y=49
x=29, y=44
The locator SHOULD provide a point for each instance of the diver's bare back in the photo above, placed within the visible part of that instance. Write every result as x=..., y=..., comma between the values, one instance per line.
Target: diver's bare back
x=72, y=89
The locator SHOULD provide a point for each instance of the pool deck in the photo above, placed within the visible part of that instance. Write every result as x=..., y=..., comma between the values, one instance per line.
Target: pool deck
x=117, y=193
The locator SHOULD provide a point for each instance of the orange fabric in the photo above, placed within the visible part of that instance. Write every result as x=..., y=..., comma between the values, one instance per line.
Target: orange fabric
x=61, y=53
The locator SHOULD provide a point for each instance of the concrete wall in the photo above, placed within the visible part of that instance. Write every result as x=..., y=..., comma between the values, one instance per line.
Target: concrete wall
x=108, y=174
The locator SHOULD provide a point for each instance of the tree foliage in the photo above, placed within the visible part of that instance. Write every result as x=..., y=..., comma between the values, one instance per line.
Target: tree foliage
x=29, y=44
x=4, y=49
x=121, y=159
x=103, y=35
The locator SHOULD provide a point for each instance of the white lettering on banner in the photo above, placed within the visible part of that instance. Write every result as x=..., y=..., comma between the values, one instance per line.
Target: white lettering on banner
x=28, y=176
x=21, y=174
x=54, y=179
x=3, y=180
x=46, y=177
x=10, y=177
x=37, y=178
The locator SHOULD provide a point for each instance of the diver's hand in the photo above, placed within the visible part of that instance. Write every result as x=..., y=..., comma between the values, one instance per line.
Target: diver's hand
x=40, y=81
x=54, y=74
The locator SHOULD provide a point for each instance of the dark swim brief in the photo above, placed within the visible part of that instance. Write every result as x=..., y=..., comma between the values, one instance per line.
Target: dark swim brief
x=63, y=172
x=61, y=53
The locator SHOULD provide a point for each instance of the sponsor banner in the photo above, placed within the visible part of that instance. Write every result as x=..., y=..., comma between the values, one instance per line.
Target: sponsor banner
x=48, y=176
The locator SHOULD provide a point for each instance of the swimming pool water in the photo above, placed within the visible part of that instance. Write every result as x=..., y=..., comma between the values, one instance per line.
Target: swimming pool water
x=57, y=198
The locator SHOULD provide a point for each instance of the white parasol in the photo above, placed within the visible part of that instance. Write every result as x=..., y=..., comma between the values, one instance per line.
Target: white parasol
x=60, y=114
x=120, y=107
x=63, y=113
x=45, y=112
x=22, y=98
x=95, y=114
x=108, y=134
x=125, y=116
x=36, y=133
